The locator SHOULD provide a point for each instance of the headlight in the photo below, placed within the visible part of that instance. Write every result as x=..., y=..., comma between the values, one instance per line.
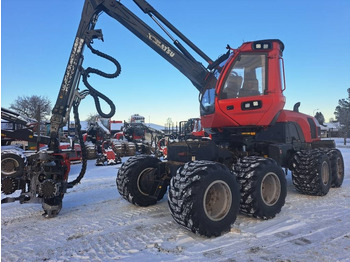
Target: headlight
x=250, y=105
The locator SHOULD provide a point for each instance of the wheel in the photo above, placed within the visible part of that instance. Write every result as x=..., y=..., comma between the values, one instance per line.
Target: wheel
x=9, y=185
x=337, y=167
x=263, y=186
x=130, y=149
x=100, y=161
x=311, y=172
x=118, y=148
x=11, y=165
x=204, y=197
x=136, y=180
x=91, y=153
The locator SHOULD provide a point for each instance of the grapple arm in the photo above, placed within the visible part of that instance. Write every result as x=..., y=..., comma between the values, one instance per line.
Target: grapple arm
x=174, y=53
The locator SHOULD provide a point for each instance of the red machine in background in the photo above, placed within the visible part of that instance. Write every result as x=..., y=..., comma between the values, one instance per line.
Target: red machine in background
x=191, y=129
x=97, y=140
x=108, y=154
x=134, y=138
x=73, y=152
x=137, y=138
x=18, y=131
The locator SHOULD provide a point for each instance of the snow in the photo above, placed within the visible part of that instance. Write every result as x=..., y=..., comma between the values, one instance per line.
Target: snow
x=102, y=127
x=96, y=224
x=116, y=126
x=84, y=125
x=155, y=126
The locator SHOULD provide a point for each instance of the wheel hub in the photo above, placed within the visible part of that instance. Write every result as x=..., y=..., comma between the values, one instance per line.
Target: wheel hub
x=325, y=173
x=8, y=166
x=145, y=181
x=270, y=189
x=340, y=170
x=217, y=200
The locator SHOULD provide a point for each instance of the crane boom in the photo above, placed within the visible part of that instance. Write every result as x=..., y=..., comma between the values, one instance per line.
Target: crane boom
x=174, y=53
x=178, y=56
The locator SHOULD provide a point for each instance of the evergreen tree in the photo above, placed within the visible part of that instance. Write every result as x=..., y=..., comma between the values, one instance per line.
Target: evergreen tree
x=342, y=114
x=320, y=118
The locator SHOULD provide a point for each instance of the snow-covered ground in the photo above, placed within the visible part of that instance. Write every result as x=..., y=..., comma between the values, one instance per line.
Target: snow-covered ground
x=96, y=224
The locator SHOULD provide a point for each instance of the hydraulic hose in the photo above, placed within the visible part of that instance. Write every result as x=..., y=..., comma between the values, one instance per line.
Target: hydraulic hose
x=92, y=91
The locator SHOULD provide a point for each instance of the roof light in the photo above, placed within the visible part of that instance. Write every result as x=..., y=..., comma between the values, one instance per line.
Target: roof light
x=262, y=45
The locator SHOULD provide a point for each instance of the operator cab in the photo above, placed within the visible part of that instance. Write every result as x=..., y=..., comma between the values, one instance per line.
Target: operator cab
x=246, y=90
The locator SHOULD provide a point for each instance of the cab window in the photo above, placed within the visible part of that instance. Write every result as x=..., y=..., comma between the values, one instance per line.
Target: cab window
x=207, y=97
x=247, y=77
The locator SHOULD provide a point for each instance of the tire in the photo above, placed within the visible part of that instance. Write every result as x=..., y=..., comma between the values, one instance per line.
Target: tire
x=9, y=185
x=135, y=180
x=91, y=153
x=100, y=161
x=12, y=165
x=118, y=148
x=204, y=197
x=130, y=149
x=263, y=186
x=311, y=172
x=337, y=167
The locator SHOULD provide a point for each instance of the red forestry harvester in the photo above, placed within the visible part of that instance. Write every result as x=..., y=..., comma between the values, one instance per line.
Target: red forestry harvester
x=241, y=107
x=190, y=129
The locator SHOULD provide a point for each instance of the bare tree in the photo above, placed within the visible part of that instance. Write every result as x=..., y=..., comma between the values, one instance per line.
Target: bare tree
x=169, y=124
x=92, y=118
x=342, y=114
x=34, y=107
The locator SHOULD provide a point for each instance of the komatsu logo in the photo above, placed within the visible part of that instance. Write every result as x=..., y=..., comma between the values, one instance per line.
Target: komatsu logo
x=165, y=48
x=73, y=61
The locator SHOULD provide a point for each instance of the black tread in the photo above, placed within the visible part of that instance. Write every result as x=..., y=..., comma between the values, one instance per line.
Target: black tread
x=186, y=192
x=130, y=149
x=250, y=171
x=306, y=175
x=127, y=180
x=337, y=171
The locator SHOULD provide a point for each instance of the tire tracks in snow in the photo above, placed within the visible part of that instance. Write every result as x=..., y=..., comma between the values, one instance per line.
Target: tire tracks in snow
x=96, y=224
x=113, y=229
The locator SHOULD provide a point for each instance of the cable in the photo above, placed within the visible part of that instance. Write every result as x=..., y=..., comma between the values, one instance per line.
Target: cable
x=93, y=92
